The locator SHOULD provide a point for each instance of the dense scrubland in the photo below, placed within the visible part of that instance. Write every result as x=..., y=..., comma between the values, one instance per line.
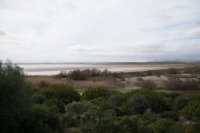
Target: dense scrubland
x=61, y=108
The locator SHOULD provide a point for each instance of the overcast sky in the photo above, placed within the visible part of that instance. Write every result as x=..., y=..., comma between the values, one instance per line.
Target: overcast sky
x=99, y=30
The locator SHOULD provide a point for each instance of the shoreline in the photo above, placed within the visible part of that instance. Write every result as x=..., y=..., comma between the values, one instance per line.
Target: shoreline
x=53, y=69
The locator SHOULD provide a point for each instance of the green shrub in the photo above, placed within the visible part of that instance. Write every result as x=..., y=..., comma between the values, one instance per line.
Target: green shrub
x=108, y=122
x=157, y=101
x=161, y=126
x=75, y=111
x=177, y=128
x=15, y=99
x=43, y=84
x=85, y=74
x=148, y=84
x=117, y=99
x=192, y=111
x=38, y=98
x=104, y=104
x=127, y=124
x=137, y=104
x=62, y=92
x=93, y=93
x=181, y=101
x=170, y=115
x=66, y=93
x=53, y=102
x=192, y=128
x=47, y=92
x=41, y=120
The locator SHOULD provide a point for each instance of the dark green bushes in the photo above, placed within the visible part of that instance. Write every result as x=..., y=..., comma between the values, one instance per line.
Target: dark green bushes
x=14, y=98
x=85, y=74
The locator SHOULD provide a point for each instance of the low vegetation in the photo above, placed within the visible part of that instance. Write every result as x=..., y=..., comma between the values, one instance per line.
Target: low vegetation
x=85, y=74
x=61, y=109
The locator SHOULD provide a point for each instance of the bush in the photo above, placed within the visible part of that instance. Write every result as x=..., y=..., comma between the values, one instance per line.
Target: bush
x=192, y=128
x=38, y=98
x=161, y=126
x=137, y=104
x=139, y=79
x=66, y=93
x=43, y=84
x=177, y=84
x=85, y=74
x=117, y=99
x=56, y=103
x=192, y=70
x=41, y=120
x=170, y=115
x=148, y=84
x=178, y=128
x=62, y=92
x=93, y=93
x=104, y=104
x=180, y=102
x=172, y=71
x=157, y=101
x=192, y=111
x=14, y=98
x=108, y=122
x=74, y=112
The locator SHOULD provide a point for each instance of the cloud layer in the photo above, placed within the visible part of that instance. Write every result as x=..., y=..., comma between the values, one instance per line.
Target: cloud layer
x=99, y=30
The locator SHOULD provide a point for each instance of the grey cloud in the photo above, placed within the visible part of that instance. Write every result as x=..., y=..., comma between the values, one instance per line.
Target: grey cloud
x=2, y=33
x=194, y=32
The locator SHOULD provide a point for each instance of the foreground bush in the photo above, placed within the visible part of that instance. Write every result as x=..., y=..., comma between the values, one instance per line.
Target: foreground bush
x=14, y=98
x=18, y=114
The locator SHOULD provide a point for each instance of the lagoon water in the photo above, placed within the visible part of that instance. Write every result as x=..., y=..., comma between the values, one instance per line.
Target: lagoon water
x=53, y=69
